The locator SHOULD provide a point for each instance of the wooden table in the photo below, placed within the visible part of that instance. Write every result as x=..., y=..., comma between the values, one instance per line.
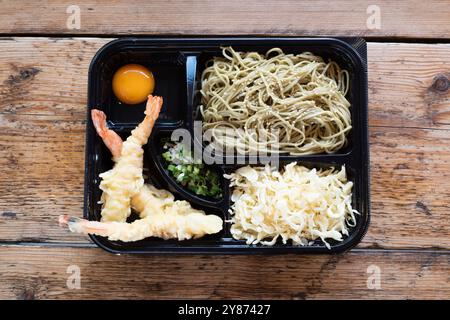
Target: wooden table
x=43, y=80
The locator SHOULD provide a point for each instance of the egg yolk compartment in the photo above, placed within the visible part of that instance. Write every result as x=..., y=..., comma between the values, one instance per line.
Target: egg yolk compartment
x=168, y=70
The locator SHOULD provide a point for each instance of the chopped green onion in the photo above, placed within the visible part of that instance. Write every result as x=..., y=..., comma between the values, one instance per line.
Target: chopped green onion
x=196, y=177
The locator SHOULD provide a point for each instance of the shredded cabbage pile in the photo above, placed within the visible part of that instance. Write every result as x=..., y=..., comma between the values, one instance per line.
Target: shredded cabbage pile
x=297, y=204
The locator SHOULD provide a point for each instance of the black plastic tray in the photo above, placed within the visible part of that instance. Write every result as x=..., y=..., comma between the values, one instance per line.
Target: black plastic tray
x=177, y=65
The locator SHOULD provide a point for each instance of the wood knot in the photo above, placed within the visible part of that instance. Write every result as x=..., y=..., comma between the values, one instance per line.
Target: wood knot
x=27, y=294
x=423, y=207
x=9, y=214
x=440, y=84
x=23, y=74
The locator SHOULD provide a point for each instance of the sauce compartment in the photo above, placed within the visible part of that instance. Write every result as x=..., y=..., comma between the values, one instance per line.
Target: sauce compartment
x=177, y=65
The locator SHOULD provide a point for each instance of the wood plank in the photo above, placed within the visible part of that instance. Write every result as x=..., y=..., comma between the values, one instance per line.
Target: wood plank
x=410, y=188
x=42, y=117
x=42, y=162
x=41, y=273
x=43, y=177
x=417, y=19
x=46, y=76
x=408, y=83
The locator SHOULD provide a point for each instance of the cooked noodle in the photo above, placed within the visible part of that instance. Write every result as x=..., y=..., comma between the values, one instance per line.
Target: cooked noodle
x=275, y=102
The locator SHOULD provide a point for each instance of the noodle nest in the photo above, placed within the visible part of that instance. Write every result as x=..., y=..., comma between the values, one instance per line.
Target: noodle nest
x=275, y=103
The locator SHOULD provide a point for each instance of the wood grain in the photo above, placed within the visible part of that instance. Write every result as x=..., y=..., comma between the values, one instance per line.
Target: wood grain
x=44, y=161
x=43, y=88
x=46, y=76
x=49, y=77
x=409, y=85
x=42, y=119
x=41, y=273
x=409, y=188
x=417, y=19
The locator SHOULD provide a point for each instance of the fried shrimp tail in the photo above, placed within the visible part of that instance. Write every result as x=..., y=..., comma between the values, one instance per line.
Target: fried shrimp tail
x=83, y=226
x=152, y=110
x=161, y=216
x=181, y=226
x=111, y=139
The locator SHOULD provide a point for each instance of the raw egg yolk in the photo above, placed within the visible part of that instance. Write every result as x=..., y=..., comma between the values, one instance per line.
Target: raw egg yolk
x=132, y=83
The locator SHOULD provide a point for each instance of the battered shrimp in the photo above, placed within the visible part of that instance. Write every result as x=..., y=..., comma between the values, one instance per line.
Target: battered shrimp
x=149, y=199
x=176, y=220
x=141, y=199
x=161, y=215
x=125, y=179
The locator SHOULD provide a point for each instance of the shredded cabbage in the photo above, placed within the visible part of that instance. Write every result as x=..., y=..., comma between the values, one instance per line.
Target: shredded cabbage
x=297, y=204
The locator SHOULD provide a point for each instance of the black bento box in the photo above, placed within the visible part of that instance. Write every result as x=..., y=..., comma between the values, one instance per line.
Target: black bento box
x=177, y=65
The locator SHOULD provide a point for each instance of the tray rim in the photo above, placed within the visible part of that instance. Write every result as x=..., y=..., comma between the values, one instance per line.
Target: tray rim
x=352, y=239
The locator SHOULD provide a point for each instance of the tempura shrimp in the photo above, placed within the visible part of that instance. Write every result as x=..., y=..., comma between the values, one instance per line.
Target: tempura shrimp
x=161, y=215
x=176, y=220
x=125, y=179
